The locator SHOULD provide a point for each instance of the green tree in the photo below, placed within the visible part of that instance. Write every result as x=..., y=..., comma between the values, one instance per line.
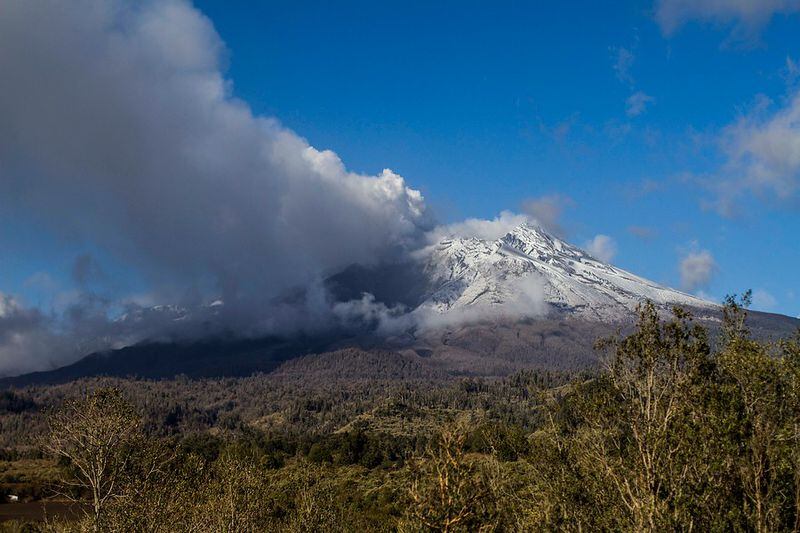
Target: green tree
x=757, y=388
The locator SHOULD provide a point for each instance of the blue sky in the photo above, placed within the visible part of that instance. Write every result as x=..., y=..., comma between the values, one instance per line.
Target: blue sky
x=482, y=106
x=649, y=123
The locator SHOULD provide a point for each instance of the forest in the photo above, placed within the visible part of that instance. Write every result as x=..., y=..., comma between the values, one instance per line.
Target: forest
x=680, y=429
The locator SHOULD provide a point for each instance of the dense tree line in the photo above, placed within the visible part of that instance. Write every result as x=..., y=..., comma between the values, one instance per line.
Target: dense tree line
x=287, y=403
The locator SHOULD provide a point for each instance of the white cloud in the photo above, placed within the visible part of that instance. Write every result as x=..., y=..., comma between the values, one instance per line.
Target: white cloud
x=544, y=211
x=123, y=132
x=528, y=301
x=602, y=247
x=547, y=211
x=118, y=129
x=749, y=16
x=479, y=228
x=763, y=156
x=763, y=300
x=367, y=312
x=637, y=103
x=697, y=269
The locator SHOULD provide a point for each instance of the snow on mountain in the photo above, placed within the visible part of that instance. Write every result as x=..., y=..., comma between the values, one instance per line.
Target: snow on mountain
x=471, y=273
x=525, y=273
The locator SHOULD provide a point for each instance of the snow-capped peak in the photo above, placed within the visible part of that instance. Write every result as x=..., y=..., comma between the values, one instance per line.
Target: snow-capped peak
x=469, y=272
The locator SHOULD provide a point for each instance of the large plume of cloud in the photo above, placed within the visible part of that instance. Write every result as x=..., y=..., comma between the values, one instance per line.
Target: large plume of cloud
x=119, y=132
x=118, y=128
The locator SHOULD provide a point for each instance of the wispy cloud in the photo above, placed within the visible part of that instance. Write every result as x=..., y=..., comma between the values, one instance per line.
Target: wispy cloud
x=791, y=71
x=762, y=150
x=763, y=300
x=602, y=247
x=643, y=232
x=747, y=16
x=486, y=229
x=560, y=130
x=637, y=103
x=547, y=211
x=697, y=268
x=642, y=188
x=623, y=59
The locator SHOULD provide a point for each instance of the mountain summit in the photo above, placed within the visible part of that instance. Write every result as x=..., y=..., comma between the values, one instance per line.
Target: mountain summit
x=554, y=300
x=529, y=267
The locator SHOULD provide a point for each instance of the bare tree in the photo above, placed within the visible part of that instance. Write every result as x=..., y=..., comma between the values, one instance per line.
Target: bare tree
x=641, y=448
x=92, y=434
x=451, y=491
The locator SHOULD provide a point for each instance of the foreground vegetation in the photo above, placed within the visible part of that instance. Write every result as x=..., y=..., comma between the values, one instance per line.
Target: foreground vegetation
x=672, y=435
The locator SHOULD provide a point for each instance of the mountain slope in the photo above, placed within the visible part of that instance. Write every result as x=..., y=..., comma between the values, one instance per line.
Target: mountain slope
x=480, y=308
x=528, y=267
